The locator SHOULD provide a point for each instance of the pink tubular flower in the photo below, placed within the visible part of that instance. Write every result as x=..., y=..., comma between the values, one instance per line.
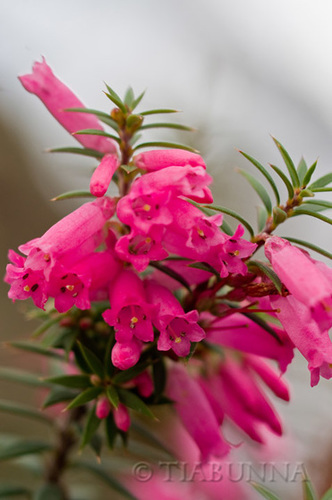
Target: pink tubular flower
x=163, y=158
x=233, y=251
x=177, y=328
x=103, y=407
x=313, y=342
x=130, y=314
x=121, y=417
x=303, y=278
x=195, y=412
x=57, y=97
x=103, y=174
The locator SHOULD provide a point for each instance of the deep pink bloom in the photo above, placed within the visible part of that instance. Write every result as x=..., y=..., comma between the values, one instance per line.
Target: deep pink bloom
x=311, y=340
x=103, y=174
x=195, y=412
x=103, y=407
x=163, y=158
x=121, y=417
x=233, y=251
x=130, y=313
x=126, y=354
x=57, y=97
x=177, y=328
x=144, y=384
x=308, y=282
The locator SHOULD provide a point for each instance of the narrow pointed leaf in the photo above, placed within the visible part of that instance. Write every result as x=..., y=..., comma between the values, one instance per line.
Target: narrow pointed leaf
x=176, y=126
x=104, y=476
x=113, y=396
x=158, y=111
x=92, y=360
x=111, y=430
x=262, y=216
x=308, y=490
x=126, y=375
x=322, y=181
x=289, y=163
x=104, y=117
x=79, y=151
x=21, y=448
x=264, y=492
x=74, y=381
x=49, y=492
x=308, y=175
x=261, y=322
x=159, y=378
x=267, y=271
x=22, y=377
x=149, y=436
x=45, y=326
x=130, y=400
x=226, y=228
x=7, y=491
x=91, y=427
x=162, y=144
x=113, y=96
x=265, y=173
x=129, y=97
x=23, y=411
x=311, y=246
x=302, y=169
x=306, y=211
x=85, y=397
x=73, y=194
x=286, y=181
x=227, y=211
x=204, y=266
x=259, y=188
x=93, y=131
x=323, y=203
x=136, y=101
x=58, y=395
x=328, y=495
x=322, y=190
x=170, y=272
x=37, y=349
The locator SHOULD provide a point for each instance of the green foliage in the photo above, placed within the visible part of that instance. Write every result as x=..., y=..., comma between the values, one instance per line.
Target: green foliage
x=264, y=492
x=232, y=213
x=163, y=144
x=267, y=271
x=132, y=401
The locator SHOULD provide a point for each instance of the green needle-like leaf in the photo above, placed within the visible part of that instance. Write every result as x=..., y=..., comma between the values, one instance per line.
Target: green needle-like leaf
x=79, y=151
x=265, y=173
x=322, y=203
x=308, y=175
x=92, y=360
x=113, y=396
x=37, y=349
x=264, y=491
x=328, y=495
x=158, y=111
x=58, y=395
x=24, y=411
x=311, y=246
x=21, y=448
x=129, y=97
x=91, y=427
x=93, y=131
x=104, y=117
x=303, y=211
x=262, y=216
x=136, y=101
x=289, y=163
x=279, y=215
x=302, y=169
x=308, y=491
x=7, y=491
x=113, y=96
x=259, y=188
x=73, y=194
x=45, y=326
x=85, y=397
x=204, y=266
x=267, y=271
x=126, y=375
x=322, y=181
x=22, y=377
x=132, y=401
x=162, y=144
x=176, y=126
x=227, y=211
x=286, y=181
x=322, y=190
x=73, y=381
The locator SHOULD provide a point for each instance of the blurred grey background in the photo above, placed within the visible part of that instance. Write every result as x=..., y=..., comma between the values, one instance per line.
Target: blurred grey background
x=238, y=70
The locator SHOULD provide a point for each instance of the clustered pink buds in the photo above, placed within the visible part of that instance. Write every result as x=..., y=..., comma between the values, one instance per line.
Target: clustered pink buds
x=174, y=281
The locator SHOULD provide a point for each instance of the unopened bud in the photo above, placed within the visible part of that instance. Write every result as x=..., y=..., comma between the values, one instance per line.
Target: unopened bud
x=95, y=380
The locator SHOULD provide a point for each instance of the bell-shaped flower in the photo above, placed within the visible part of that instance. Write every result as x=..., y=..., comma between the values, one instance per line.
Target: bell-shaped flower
x=163, y=158
x=233, y=250
x=177, y=328
x=306, y=281
x=130, y=313
x=57, y=97
x=103, y=174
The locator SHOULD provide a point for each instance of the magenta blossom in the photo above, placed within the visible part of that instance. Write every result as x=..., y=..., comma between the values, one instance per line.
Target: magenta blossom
x=57, y=97
x=126, y=354
x=103, y=174
x=177, y=328
x=162, y=158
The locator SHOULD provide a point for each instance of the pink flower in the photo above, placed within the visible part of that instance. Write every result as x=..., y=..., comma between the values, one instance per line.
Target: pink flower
x=121, y=417
x=163, y=158
x=311, y=340
x=177, y=328
x=130, y=313
x=103, y=174
x=233, y=251
x=195, y=412
x=144, y=384
x=126, y=354
x=304, y=279
x=57, y=97
x=103, y=407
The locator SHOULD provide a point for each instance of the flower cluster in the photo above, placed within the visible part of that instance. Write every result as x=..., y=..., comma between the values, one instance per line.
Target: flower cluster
x=171, y=285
